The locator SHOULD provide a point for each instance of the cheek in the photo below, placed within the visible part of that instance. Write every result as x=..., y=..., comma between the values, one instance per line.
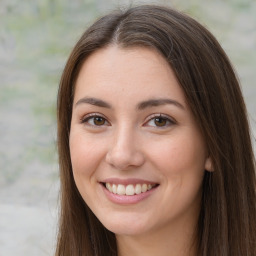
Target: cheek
x=180, y=157
x=86, y=154
x=180, y=163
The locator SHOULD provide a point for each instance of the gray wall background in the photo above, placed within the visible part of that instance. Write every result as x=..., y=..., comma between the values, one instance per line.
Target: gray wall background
x=36, y=38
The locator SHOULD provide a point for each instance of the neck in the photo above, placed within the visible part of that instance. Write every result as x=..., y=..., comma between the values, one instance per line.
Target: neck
x=174, y=240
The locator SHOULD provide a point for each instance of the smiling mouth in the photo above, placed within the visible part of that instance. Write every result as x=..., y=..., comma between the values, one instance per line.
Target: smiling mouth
x=130, y=189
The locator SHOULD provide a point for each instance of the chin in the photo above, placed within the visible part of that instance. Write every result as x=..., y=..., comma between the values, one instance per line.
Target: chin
x=125, y=226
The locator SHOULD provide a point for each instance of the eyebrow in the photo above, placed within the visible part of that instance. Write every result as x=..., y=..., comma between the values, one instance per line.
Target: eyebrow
x=142, y=105
x=159, y=102
x=93, y=101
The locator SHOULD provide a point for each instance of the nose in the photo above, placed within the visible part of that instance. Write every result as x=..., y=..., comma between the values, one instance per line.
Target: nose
x=125, y=152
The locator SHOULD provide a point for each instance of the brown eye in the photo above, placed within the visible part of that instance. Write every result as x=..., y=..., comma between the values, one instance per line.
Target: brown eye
x=95, y=120
x=98, y=120
x=160, y=121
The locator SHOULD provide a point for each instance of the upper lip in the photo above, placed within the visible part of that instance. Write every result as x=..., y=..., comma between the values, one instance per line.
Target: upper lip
x=127, y=181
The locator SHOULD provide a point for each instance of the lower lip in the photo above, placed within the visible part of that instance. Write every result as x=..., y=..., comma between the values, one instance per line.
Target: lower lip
x=123, y=199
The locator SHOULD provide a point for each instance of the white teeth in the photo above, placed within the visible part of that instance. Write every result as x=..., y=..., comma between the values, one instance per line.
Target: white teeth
x=120, y=189
x=114, y=188
x=144, y=188
x=138, y=189
x=109, y=187
x=128, y=190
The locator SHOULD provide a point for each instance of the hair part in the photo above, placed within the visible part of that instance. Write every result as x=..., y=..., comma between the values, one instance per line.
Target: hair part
x=227, y=222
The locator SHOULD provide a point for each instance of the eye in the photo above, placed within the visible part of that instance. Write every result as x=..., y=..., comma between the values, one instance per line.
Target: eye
x=94, y=120
x=160, y=121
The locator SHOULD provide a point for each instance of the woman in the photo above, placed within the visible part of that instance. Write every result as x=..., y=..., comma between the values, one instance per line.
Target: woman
x=154, y=146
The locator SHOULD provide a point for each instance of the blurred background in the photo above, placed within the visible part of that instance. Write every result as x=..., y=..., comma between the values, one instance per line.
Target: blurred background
x=36, y=37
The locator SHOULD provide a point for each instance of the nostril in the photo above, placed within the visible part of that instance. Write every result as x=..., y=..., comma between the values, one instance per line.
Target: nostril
x=123, y=159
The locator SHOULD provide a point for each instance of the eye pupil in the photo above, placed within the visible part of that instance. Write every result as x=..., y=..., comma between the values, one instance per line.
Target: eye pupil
x=159, y=121
x=98, y=120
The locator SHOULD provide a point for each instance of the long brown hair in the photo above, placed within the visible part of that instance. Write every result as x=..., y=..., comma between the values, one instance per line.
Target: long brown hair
x=227, y=222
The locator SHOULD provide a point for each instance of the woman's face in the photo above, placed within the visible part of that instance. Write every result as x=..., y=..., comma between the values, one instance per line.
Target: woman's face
x=137, y=154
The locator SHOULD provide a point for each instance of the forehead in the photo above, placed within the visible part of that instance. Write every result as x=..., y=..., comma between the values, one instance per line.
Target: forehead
x=127, y=73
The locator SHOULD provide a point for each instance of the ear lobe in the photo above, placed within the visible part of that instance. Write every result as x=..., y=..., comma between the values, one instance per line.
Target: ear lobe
x=208, y=164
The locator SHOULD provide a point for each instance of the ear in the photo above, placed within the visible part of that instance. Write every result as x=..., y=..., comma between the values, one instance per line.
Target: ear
x=208, y=164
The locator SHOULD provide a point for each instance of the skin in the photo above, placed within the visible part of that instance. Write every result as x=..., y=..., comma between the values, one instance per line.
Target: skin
x=127, y=142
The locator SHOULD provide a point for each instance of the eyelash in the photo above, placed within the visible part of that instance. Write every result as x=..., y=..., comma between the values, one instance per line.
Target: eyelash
x=93, y=116
x=168, y=121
